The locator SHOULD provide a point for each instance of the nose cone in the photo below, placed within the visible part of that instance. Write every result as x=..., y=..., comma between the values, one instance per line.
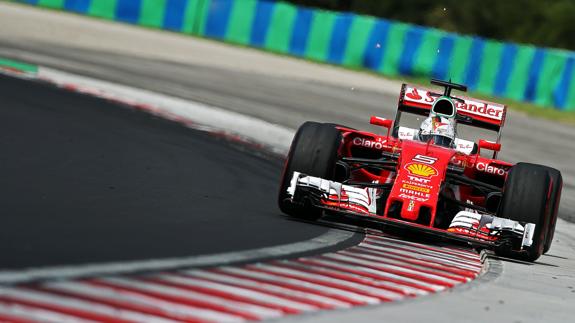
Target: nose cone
x=418, y=182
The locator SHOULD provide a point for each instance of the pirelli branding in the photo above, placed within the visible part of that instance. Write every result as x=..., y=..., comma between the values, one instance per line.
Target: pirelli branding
x=416, y=188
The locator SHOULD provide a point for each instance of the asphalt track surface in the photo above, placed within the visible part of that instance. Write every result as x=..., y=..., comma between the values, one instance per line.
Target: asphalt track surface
x=85, y=180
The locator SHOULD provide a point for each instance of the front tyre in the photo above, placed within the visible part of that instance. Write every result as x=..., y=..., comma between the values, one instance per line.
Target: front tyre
x=556, y=187
x=526, y=199
x=314, y=152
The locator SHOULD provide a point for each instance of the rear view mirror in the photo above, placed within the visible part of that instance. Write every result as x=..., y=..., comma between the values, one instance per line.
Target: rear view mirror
x=489, y=145
x=382, y=122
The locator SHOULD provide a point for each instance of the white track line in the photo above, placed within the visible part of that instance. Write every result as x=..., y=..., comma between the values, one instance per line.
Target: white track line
x=328, y=239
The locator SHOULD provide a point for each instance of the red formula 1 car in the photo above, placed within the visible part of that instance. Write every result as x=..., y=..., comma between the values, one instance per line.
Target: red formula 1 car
x=425, y=176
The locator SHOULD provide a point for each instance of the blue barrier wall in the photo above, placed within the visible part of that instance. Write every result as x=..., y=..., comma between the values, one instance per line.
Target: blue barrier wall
x=520, y=72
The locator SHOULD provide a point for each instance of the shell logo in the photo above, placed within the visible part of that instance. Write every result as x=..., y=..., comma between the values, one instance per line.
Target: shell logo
x=421, y=170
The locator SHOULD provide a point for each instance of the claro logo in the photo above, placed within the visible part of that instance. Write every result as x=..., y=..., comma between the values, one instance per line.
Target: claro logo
x=483, y=167
x=368, y=143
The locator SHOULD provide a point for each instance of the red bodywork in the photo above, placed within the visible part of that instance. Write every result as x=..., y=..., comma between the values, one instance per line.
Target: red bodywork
x=421, y=168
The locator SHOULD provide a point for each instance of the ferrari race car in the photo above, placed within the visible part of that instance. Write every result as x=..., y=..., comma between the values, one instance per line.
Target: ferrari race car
x=427, y=178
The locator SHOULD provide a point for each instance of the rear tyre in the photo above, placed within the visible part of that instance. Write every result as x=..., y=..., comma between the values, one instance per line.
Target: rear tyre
x=314, y=152
x=525, y=199
x=556, y=187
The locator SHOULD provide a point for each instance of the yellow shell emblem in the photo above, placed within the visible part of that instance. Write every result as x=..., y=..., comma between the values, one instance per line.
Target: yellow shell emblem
x=421, y=170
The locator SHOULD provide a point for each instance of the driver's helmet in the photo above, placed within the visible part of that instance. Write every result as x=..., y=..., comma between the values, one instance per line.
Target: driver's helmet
x=439, y=130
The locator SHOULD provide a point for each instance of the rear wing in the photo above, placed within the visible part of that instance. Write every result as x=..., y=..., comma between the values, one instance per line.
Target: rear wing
x=475, y=112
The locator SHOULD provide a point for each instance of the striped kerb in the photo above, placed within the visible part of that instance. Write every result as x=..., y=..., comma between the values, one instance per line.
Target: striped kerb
x=279, y=33
x=318, y=42
x=241, y=21
x=379, y=270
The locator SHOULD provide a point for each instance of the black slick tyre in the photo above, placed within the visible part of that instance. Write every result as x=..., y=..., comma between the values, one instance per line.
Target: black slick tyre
x=525, y=199
x=314, y=152
x=556, y=187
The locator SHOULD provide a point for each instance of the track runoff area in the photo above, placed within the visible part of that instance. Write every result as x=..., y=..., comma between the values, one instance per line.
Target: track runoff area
x=104, y=183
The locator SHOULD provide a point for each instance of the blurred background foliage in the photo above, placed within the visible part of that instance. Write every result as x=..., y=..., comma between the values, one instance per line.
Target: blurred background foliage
x=549, y=23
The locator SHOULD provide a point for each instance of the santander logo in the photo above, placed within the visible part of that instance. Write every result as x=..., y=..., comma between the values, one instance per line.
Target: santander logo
x=414, y=95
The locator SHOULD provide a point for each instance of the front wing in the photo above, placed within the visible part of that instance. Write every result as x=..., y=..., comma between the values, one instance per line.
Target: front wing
x=477, y=229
